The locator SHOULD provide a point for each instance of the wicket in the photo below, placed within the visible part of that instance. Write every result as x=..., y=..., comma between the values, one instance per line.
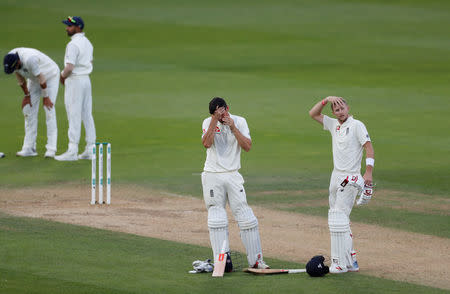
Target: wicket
x=100, y=173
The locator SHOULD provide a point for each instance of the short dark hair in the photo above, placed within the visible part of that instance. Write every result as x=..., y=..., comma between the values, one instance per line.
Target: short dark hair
x=215, y=103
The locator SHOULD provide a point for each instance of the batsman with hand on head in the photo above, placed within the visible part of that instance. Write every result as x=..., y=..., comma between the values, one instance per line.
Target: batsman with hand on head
x=349, y=138
x=224, y=135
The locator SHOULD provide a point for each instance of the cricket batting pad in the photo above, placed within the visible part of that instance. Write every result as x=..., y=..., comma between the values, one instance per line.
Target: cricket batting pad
x=339, y=225
x=252, y=243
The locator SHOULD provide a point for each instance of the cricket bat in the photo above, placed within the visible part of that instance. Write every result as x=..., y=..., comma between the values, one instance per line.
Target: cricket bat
x=219, y=263
x=270, y=271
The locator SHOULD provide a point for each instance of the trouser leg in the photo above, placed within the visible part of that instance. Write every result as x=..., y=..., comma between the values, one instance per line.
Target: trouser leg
x=31, y=120
x=50, y=115
x=86, y=113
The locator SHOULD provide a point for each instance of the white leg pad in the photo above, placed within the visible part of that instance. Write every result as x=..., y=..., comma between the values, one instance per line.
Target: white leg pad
x=252, y=243
x=339, y=225
x=218, y=229
x=217, y=236
x=245, y=217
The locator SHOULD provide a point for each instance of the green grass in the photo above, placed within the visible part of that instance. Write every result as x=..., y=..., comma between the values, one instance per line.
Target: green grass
x=48, y=257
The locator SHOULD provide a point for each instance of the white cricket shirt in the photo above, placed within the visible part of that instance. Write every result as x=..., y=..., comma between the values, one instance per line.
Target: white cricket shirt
x=224, y=155
x=79, y=52
x=348, y=140
x=34, y=62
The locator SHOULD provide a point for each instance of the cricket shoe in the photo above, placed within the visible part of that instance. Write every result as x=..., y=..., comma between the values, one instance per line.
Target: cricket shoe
x=337, y=269
x=87, y=154
x=228, y=264
x=354, y=267
x=27, y=153
x=68, y=156
x=260, y=264
x=49, y=154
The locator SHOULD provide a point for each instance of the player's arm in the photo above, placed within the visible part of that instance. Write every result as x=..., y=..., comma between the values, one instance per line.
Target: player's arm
x=243, y=141
x=67, y=71
x=46, y=100
x=370, y=160
x=208, y=137
x=23, y=84
x=316, y=111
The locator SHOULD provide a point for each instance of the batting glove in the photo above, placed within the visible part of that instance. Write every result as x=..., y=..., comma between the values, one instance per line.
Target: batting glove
x=366, y=195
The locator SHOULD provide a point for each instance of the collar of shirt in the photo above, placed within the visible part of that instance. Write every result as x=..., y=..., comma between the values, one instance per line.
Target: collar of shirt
x=347, y=122
x=77, y=35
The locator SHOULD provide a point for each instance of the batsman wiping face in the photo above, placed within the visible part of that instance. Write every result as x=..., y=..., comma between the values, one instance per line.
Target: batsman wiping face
x=224, y=135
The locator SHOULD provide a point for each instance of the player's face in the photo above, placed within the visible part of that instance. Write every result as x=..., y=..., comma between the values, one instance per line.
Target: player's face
x=224, y=112
x=71, y=30
x=341, y=112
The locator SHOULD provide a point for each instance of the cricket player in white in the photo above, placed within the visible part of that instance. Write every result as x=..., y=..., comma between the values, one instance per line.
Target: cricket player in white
x=224, y=135
x=37, y=75
x=349, y=138
x=78, y=91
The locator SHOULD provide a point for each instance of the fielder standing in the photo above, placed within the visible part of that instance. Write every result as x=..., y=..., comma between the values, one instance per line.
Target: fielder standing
x=224, y=135
x=349, y=138
x=78, y=91
x=37, y=75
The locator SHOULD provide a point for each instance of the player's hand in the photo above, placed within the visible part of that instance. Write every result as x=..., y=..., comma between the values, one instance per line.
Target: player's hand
x=335, y=101
x=367, y=178
x=26, y=100
x=61, y=79
x=47, y=103
x=228, y=121
x=218, y=113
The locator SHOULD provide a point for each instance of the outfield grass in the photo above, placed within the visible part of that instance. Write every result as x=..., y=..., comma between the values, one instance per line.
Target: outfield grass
x=46, y=257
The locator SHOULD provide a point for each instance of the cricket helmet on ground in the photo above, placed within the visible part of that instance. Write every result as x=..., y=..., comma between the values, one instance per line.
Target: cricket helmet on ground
x=316, y=268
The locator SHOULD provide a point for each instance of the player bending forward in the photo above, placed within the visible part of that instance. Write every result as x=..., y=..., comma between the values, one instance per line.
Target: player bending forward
x=349, y=138
x=224, y=135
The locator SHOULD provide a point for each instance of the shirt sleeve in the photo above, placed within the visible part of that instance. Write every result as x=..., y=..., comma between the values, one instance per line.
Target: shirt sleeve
x=205, y=127
x=362, y=134
x=72, y=52
x=327, y=123
x=243, y=128
x=33, y=65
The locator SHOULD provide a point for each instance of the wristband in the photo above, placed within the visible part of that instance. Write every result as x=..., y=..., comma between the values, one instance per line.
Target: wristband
x=27, y=95
x=370, y=161
x=324, y=102
x=44, y=92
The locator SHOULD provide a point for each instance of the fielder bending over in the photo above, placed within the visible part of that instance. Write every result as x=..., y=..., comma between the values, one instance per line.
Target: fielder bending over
x=37, y=75
x=224, y=135
x=349, y=138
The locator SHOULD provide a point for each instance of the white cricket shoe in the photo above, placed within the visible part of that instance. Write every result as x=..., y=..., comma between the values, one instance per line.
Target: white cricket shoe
x=27, y=153
x=68, y=156
x=337, y=269
x=49, y=154
x=354, y=267
x=261, y=265
x=87, y=154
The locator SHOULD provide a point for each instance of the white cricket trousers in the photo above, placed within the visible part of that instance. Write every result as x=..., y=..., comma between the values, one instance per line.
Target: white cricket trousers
x=31, y=121
x=78, y=101
x=343, y=198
